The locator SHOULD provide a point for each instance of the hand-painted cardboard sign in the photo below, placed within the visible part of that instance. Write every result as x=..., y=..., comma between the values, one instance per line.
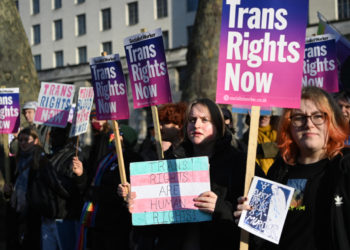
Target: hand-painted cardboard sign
x=270, y=202
x=165, y=190
x=82, y=111
x=54, y=103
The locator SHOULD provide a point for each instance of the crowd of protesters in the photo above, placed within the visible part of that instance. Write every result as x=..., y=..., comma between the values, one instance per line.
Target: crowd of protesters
x=57, y=180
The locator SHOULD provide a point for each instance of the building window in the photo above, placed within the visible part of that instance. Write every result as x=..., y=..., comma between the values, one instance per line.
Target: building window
x=36, y=34
x=106, y=19
x=80, y=1
x=166, y=39
x=57, y=4
x=58, y=29
x=17, y=5
x=133, y=13
x=192, y=5
x=37, y=62
x=82, y=54
x=35, y=7
x=81, y=23
x=189, y=33
x=107, y=47
x=162, y=8
x=59, y=58
x=343, y=9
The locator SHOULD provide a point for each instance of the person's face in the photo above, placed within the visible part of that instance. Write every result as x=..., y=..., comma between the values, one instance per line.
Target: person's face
x=29, y=115
x=26, y=142
x=200, y=128
x=264, y=121
x=170, y=131
x=345, y=108
x=309, y=137
x=98, y=124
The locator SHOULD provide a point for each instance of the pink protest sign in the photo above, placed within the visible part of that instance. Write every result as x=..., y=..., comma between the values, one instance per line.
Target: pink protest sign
x=110, y=88
x=9, y=110
x=148, y=70
x=320, y=64
x=82, y=111
x=261, y=52
x=54, y=103
x=165, y=190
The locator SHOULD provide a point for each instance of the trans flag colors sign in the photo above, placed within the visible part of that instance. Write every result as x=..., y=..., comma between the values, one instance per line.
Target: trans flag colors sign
x=261, y=52
x=148, y=70
x=9, y=110
x=320, y=63
x=54, y=103
x=165, y=190
x=108, y=80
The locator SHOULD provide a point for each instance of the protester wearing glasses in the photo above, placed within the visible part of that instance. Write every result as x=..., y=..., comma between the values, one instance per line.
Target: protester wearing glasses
x=314, y=162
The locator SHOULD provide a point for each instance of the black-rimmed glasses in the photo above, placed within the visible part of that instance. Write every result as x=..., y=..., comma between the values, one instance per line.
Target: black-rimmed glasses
x=299, y=120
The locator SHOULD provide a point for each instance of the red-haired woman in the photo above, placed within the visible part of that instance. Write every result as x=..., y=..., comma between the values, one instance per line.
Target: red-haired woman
x=172, y=119
x=315, y=163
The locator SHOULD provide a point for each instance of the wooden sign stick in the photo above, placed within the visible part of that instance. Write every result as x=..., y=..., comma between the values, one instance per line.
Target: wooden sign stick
x=77, y=146
x=157, y=133
x=118, y=146
x=250, y=167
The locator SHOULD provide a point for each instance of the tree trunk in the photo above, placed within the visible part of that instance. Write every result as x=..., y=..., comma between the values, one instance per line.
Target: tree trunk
x=203, y=52
x=16, y=61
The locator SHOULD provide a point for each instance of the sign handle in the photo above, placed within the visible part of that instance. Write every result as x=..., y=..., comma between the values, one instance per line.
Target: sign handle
x=250, y=167
x=77, y=146
x=157, y=133
x=118, y=147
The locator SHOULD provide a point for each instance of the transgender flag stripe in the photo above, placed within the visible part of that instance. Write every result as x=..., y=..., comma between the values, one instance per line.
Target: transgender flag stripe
x=173, y=177
x=153, y=167
x=173, y=189
x=164, y=204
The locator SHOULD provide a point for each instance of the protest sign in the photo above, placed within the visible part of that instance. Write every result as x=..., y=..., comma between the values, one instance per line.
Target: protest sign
x=270, y=202
x=9, y=110
x=148, y=70
x=54, y=103
x=82, y=111
x=110, y=88
x=320, y=63
x=165, y=190
x=261, y=52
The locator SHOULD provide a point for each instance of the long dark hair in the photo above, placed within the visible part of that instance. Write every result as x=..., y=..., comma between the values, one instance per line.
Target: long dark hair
x=217, y=119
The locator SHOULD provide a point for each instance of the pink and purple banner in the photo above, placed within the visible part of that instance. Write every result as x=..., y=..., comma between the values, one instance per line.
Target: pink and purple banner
x=108, y=80
x=320, y=63
x=165, y=190
x=82, y=111
x=261, y=52
x=9, y=110
x=148, y=70
x=54, y=103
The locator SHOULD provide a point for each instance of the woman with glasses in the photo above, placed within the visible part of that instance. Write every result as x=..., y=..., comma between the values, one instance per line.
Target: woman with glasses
x=314, y=162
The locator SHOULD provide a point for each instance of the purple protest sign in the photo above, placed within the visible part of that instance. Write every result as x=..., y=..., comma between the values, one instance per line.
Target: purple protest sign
x=82, y=111
x=54, y=103
x=261, y=52
x=9, y=110
x=320, y=64
x=148, y=70
x=110, y=88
